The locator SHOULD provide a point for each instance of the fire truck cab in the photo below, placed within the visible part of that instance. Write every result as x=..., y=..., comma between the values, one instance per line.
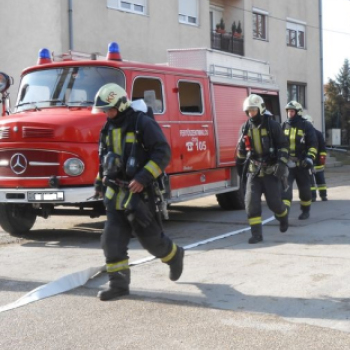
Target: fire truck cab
x=49, y=142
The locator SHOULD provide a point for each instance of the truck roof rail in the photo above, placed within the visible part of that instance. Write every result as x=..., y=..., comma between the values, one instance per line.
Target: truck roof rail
x=224, y=67
x=77, y=56
x=240, y=74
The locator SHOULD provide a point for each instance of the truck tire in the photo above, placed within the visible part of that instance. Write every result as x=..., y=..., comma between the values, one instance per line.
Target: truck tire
x=233, y=200
x=17, y=219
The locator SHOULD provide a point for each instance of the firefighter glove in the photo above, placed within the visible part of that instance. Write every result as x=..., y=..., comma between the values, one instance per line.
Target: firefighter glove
x=137, y=211
x=281, y=171
x=307, y=163
x=98, y=188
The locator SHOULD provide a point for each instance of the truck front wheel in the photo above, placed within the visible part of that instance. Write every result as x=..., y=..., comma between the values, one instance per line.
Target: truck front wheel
x=233, y=200
x=17, y=219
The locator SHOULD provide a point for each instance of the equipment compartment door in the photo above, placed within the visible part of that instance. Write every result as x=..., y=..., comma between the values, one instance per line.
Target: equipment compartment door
x=229, y=117
x=196, y=129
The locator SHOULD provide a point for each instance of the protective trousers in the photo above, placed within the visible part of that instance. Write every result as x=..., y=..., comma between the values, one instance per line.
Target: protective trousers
x=302, y=177
x=320, y=185
x=271, y=187
x=115, y=239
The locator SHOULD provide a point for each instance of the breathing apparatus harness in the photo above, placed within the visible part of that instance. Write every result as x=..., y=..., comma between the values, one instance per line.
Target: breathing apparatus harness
x=252, y=157
x=295, y=159
x=117, y=170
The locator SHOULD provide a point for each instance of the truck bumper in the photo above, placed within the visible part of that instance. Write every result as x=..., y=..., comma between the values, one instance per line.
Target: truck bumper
x=47, y=195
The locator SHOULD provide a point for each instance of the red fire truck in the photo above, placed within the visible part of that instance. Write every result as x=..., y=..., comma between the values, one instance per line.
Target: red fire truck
x=48, y=142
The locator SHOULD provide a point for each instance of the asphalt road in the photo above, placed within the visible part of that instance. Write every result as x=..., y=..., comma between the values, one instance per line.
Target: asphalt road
x=290, y=292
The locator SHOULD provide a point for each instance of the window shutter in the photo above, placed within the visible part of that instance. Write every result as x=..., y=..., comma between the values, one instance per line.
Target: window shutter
x=188, y=8
x=139, y=2
x=296, y=26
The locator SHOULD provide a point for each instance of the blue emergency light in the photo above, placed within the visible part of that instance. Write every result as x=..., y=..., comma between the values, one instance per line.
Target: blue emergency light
x=44, y=56
x=113, y=52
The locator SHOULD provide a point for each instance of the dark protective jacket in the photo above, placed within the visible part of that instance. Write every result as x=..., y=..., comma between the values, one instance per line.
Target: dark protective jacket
x=133, y=134
x=262, y=140
x=301, y=138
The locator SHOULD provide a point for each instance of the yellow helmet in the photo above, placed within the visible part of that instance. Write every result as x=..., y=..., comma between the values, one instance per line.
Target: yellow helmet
x=296, y=106
x=254, y=101
x=110, y=96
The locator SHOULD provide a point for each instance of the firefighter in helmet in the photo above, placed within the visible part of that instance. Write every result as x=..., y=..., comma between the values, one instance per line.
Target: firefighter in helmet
x=302, y=154
x=318, y=178
x=262, y=155
x=133, y=153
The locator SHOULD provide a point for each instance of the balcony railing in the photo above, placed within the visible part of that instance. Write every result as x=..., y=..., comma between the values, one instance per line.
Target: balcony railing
x=227, y=42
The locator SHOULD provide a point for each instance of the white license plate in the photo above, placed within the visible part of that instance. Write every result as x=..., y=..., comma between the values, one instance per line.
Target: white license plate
x=45, y=196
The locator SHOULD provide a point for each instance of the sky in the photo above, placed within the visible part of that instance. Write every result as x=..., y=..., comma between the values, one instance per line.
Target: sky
x=336, y=36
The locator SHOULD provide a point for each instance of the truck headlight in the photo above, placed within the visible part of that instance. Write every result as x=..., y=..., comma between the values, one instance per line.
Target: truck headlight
x=73, y=166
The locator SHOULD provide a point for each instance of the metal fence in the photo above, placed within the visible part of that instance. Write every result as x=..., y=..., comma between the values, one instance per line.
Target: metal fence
x=227, y=42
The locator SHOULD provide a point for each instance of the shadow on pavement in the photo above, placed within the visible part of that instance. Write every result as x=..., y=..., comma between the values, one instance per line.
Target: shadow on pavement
x=221, y=297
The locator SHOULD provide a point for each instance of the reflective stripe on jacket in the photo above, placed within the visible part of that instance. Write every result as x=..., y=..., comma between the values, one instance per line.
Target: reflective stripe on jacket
x=301, y=137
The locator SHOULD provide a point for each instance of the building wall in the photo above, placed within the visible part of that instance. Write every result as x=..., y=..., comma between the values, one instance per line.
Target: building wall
x=26, y=27
x=289, y=63
x=141, y=38
x=31, y=25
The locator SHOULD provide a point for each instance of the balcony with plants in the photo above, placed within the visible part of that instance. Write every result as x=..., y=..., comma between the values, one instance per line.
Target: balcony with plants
x=228, y=41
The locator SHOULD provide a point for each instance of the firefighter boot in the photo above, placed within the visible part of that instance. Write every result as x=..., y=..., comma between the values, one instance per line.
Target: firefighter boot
x=283, y=220
x=118, y=285
x=323, y=195
x=176, y=264
x=256, y=234
x=284, y=223
x=313, y=194
x=305, y=213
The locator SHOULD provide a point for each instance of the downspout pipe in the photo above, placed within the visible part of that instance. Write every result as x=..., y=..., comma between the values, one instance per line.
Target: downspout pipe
x=321, y=64
x=70, y=23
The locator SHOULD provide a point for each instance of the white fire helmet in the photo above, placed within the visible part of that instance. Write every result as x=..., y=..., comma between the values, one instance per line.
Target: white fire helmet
x=309, y=118
x=110, y=96
x=296, y=106
x=254, y=101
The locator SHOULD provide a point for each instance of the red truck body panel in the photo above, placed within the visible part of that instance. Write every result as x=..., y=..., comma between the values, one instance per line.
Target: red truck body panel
x=201, y=118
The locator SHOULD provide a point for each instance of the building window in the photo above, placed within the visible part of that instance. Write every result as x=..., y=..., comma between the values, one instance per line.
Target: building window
x=134, y=6
x=188, y=11
x=295, y=35
x=296, y=92
x=260, y=24
x=190, y=97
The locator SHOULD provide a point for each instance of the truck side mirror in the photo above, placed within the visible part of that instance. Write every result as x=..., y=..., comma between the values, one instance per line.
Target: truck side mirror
x=5, y=82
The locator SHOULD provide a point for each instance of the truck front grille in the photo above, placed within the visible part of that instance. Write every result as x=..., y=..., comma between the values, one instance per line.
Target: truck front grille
x=30, y=132
x=28, y=163
x=4, y=133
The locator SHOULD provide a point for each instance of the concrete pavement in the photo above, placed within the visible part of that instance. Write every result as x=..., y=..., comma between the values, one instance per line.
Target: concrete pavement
x=290, y=292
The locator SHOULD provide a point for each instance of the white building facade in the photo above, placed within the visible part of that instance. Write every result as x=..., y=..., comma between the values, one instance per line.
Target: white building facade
x=286, y=34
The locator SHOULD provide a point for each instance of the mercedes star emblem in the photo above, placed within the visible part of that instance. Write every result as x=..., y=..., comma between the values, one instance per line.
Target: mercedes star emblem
x=18, y=163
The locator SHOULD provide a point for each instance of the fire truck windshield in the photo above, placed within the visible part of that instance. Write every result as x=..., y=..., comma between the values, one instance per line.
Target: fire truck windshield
x=66, y=86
